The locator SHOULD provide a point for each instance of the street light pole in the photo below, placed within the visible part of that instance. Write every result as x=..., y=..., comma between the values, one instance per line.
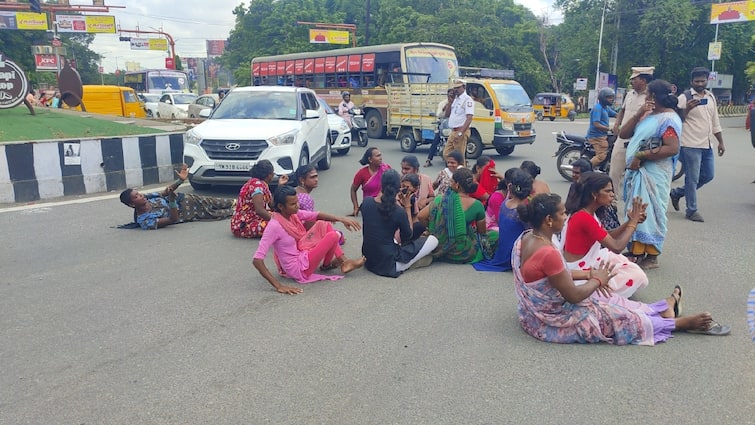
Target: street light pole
x=600, y=45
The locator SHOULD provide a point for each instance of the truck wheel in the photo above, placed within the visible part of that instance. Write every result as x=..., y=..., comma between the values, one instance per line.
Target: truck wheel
x=505, y=150
x=375, y=125
x=474, y=146
x=406, y=139
x=564, y=161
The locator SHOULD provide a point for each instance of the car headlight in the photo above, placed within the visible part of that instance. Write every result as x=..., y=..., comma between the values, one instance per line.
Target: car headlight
x=283, y=139
x=193, y=137
x=344, y=126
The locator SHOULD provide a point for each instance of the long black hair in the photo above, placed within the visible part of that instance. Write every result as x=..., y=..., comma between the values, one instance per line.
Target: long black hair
x=261, y=169
x=521, y=183
x=390, y=183
x=538, y=208
x=367, y=155
x=465, y=180
x=301, y=172
x=589, y=184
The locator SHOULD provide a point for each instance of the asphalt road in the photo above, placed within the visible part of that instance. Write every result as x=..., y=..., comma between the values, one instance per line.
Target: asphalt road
x=107, y=326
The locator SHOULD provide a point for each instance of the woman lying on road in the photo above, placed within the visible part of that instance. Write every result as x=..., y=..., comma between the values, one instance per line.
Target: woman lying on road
x=154, y=210
x=553, y=309
x=298, y=251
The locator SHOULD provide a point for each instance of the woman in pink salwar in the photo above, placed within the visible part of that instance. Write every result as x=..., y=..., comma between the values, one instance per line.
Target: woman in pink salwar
x=551, y=308
x=298, y=251
x=368, y=177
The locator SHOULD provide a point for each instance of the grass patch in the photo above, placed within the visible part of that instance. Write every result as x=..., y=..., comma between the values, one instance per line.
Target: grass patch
x=17, y=124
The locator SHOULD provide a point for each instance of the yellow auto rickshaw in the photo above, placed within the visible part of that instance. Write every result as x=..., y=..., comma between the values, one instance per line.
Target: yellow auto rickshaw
x=553, y=105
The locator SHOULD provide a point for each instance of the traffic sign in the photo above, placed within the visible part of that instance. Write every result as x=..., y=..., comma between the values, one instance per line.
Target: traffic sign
x=56, y=42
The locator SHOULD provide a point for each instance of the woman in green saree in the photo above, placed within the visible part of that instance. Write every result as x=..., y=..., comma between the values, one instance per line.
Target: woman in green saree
x=458, y=221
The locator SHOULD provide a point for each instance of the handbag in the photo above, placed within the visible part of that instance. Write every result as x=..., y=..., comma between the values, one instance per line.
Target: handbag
x=651, y=144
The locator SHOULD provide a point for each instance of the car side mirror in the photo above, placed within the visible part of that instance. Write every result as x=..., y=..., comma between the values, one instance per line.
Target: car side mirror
x=311, y=114
x=204, y=113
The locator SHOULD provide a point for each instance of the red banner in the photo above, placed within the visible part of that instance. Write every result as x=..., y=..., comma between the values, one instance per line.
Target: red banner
x=46, y=62
x=289, y=67
x=309, y=65
x=299, y=67
x=280, y=68
x=330, y=64
x=355, y=63
x=368, y=62
x=169, y=63
x=256, y=69
x=342, y=63
x=263, y=69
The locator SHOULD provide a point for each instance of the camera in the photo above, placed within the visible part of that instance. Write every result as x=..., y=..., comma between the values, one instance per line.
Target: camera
x=404, y=190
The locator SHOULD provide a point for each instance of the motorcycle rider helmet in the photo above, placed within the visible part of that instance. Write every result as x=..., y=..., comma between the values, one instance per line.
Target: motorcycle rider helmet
x=604, y=94
x=344, y=94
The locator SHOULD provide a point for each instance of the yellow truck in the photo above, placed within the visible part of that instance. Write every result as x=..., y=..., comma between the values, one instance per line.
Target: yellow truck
x=112, y=100
x=503, y=112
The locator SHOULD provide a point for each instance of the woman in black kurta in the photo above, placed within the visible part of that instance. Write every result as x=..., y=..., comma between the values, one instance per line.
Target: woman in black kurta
x=381, y=217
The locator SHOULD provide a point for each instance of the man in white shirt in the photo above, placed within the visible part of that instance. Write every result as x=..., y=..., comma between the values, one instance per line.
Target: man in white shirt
x=440, y=114
x=633, y=100
x=700, y=124
x=459, y=119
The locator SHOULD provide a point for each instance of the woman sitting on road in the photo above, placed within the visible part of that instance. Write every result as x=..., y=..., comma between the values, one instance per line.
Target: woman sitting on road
x=486, y=177
x=454, y=161
x=298, y=251
x=586, y=243
x=155, y=210
x=458, y=221
x=510, y=227
x=307, y=179
x=254, y=204
x=538, y=186
x=553, y=309
x=368, y=177
x=382, y=217
x=424, y=193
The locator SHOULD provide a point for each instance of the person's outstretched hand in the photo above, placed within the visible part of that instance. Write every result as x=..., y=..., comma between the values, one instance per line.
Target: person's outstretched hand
x=350, y=223
x=288, y=290
x=183, y=174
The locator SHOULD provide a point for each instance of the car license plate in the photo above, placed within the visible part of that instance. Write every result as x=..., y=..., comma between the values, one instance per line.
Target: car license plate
x=525, y=133
x=232, y=166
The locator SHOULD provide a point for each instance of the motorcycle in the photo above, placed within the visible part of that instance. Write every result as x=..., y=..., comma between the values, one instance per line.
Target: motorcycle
x=358, y=127
x=572, y=147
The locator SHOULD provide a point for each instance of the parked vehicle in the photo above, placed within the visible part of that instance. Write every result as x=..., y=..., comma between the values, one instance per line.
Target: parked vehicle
x=339, y=134
x=150, y=103
x=201, y=103
x=174, y=105
x=553, y=105
x=358, y=127
x=112, y=100
x=572, y=147
x=285, y=125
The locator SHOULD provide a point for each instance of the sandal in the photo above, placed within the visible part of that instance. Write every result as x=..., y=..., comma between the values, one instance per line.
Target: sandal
x=715, y=329
x=678, y=299
x=333, y=264
x=428, y=163
x=636, y=259
x=650, y=262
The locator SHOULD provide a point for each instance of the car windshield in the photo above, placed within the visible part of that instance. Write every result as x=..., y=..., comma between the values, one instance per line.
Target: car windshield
x=511, y=95
x=243, y=105
x=151, y=97
x=183, y=99
x=325, y=106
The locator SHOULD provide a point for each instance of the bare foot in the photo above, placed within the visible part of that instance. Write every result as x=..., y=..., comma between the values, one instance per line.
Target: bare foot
x=351, y=265
x=700, y=321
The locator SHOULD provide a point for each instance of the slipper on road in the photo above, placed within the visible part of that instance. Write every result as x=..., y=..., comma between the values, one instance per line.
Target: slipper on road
x=678, y=299
x=715, y=329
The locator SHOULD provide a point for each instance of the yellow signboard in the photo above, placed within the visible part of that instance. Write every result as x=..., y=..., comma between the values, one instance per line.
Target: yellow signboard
x=714, y=51
x=737, y=11
x=328, y=37
x=101, y=24
x=86, y=24
x=31, y=21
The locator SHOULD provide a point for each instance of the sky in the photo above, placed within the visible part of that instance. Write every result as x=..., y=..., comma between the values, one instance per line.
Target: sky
x=190, y=23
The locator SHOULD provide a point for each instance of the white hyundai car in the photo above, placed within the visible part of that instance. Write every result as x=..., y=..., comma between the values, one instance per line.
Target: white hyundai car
x=285, y=125
x=174, y=105
x=340, y=133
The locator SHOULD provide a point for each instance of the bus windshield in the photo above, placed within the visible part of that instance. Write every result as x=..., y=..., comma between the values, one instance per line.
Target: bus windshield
x=511, y=95
x=430, y=64
x=163, y=81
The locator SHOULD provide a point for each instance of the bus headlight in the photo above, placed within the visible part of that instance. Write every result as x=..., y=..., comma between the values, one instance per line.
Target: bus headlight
x=284, y=139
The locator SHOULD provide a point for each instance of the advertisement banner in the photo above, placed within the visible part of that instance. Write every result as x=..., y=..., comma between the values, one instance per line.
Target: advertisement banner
x=737, y=11
x=215, y=48
x=714, y=51
x=8, y=21
x=31, y=21
x=85, y=24
x=149, y=44
x=328, y=37
x=46, y=62
x=13, y=84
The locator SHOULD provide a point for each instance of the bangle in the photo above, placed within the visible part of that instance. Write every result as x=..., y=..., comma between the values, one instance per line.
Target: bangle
x=631, y=226
x=173, y=205
x=600, y=282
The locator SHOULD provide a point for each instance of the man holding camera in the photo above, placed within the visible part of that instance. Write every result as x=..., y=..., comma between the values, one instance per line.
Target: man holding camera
x=701, y=121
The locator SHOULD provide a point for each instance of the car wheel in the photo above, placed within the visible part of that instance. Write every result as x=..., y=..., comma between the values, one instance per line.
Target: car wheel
x=474, y=146
x=149, y=114
x=324, y=164
x=198, y=186
x=303, y=157
x=158, y=115
x=172, y=116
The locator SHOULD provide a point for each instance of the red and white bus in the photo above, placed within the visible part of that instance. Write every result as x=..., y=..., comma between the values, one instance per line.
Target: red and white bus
x=363, y=71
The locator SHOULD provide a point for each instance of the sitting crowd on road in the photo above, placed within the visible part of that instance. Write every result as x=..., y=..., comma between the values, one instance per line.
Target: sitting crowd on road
x=572, y=281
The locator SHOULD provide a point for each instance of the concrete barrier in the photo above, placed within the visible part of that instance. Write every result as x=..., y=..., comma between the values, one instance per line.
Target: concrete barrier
x=30, y=171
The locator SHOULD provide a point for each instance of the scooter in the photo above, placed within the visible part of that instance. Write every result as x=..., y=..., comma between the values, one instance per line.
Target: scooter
x=358, y=127
x=572, y=147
